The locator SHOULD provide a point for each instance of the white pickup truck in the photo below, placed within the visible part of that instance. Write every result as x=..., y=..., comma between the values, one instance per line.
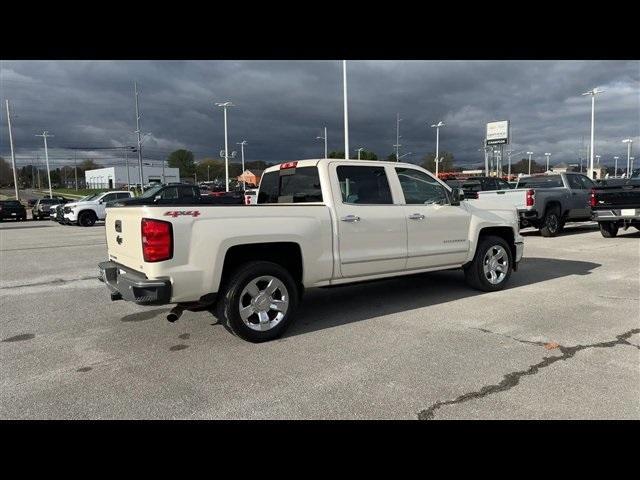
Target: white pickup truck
x=88, y=210
x=318, y=223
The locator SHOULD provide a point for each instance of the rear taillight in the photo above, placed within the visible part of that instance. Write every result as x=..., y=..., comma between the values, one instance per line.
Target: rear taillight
x=592, y=198
x=157, y=240
x=531, y=198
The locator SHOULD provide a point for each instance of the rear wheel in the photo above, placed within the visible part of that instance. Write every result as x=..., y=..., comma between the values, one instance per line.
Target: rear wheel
x=608, y=229
x=258, y=301
x=86, y=219
x=551, y=224
x=491, y=266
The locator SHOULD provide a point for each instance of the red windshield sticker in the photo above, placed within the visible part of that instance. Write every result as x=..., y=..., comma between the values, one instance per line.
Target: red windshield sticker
x=177, y=213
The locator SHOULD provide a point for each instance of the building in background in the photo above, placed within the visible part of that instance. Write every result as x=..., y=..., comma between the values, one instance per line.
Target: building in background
x=251, y=177
x=564, y=167
x=116, y=177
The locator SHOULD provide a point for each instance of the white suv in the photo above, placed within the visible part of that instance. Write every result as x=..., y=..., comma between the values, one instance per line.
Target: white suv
x=88, y=210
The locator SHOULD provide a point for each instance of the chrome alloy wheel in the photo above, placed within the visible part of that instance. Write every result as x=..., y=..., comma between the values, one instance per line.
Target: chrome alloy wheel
x=495, y=264
x=263, y=303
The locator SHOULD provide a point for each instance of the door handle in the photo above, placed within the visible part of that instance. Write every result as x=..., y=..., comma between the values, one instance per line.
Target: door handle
x=350, y=218
x=416, y=216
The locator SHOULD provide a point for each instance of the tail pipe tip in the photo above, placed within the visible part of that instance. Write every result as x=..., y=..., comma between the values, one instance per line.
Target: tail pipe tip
x=175, y=313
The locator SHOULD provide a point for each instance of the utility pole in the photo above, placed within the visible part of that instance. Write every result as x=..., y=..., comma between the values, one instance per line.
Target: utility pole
x=13, y=156
x=75, y=167
x=547, y=155
x=46, y=135
x=135, y=86
x=346, y=110
x=325, y=141
x=628, y=141
x=397, y=145
x=529, y=153
x=126, y=162
x=38, y=168
x=224, y=106
x=242, y=144
x=615, y=168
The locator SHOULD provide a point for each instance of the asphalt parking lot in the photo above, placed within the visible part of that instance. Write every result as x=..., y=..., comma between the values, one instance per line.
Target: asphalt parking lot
x=561, y=342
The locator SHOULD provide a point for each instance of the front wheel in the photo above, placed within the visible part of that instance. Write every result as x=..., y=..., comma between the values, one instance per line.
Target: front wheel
x=608, y=229
x=258, y=301
x=491, y=266
x=86, y=219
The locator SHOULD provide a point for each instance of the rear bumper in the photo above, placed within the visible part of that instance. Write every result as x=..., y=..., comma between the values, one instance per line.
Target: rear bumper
x=133, y=286
x=614, y=214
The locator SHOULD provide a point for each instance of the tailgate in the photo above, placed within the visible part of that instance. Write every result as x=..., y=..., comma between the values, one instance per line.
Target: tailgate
x=124, y=239
x=505, y=198
x=619, y=197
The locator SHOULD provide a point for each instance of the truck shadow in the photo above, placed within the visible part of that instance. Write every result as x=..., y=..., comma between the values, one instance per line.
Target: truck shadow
x=331, y=307
x=568, y=230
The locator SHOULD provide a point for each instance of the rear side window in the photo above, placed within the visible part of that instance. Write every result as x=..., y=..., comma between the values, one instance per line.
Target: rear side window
x=291, y=185
x=187, y=192
x=574, y=182
x=547, y=181
x=364, y=185
x=586, y=182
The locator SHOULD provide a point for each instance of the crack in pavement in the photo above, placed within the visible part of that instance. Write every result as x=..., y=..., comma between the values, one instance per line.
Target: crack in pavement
x=512, y=379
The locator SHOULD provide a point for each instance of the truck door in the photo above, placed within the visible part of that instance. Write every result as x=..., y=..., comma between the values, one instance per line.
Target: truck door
x=579, y=197
x=372, y=232
x=437, y=232
x=102, y=205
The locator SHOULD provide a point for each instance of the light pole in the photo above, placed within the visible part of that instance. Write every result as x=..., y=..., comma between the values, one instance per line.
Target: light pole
x=437, y=127
x=45, y=135
x=547, y=155
x=628, y=141
x=630, y=167
x=346, y=110
x=242, y=144
x=615, y=167
x=598, y=159
x=325, y=141
x=529, y=153
x=397, y=144
x=224, y=106
x=593, y=94
x=509, y=160
x=359, y=150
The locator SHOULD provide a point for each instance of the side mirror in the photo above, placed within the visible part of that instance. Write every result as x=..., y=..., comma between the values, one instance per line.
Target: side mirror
x=458, y=196
x=101, y=202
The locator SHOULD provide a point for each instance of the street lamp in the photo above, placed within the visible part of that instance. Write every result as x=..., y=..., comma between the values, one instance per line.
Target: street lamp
x=224, y=106
x=615, y=168
x=242, y=144
x=598, y=159
x=593, y=94
x=509, y=153
x=547, y=155
x=529, y=153
x=437, y=127
x=630, y=167
x=398, y=136
x=359, y=150
x=325, y=141
x=628, y=141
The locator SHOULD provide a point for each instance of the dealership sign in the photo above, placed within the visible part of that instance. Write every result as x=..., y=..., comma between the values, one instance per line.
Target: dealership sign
x=498, y=133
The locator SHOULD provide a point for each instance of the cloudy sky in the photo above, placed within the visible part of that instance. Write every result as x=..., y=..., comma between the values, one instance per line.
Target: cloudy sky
x=281, y=106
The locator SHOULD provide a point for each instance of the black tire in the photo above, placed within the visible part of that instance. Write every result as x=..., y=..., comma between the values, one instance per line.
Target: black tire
x=551, y=222
x=228, y=305
x=474, y=272
x=608, y=229
x=86, y=219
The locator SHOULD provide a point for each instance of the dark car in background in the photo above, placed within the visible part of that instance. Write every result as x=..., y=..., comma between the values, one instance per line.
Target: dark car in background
x=473, y=185
x=12, y=209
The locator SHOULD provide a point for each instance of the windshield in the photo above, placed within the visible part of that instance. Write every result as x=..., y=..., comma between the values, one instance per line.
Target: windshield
x=151, y=192
x=544, y=181
x=88, y=197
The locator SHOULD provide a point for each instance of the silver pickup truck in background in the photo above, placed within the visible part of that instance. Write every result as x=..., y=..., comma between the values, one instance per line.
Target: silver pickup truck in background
x=547, y=201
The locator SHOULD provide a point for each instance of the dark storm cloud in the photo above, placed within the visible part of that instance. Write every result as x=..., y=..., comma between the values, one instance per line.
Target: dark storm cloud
x=282, y=106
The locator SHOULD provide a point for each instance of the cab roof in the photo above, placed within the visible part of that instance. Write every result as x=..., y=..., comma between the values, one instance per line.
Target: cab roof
x=319, y=161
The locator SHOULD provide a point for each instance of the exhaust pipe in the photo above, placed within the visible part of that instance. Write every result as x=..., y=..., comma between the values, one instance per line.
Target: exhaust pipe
x=175, y=313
